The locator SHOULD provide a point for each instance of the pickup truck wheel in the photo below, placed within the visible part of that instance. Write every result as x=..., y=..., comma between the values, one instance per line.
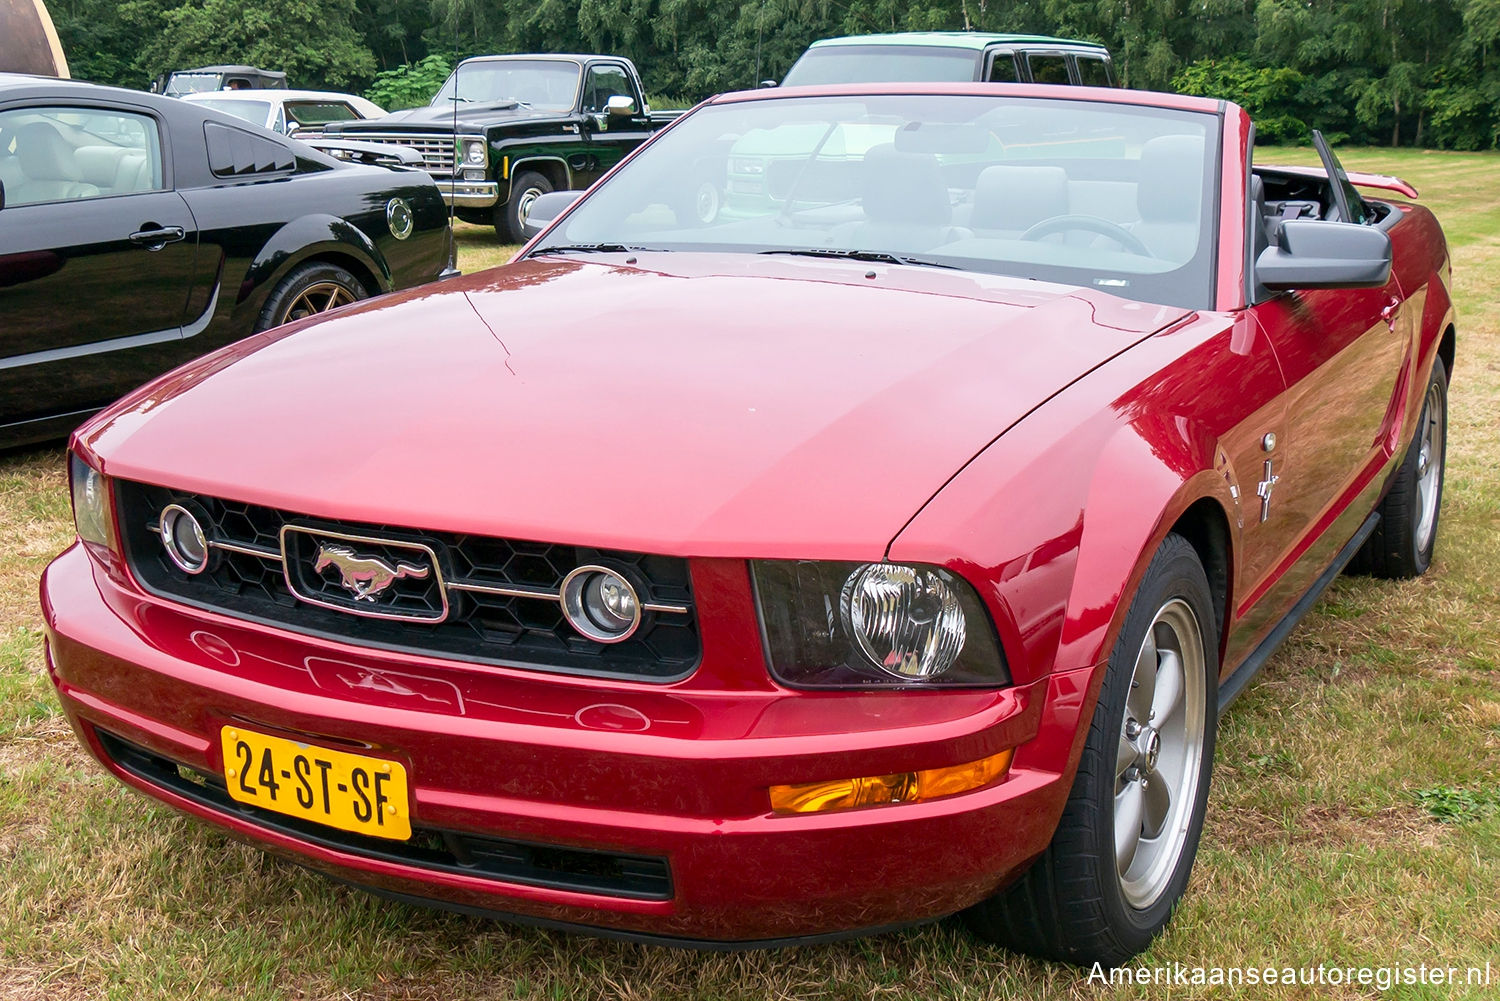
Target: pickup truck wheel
x=1122, y=852
x=1401, y=545
x=310, y=288
x=525, y=188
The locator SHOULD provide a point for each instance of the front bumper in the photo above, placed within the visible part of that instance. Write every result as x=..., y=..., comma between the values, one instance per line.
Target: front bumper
x=469, y=194
x=569, y=768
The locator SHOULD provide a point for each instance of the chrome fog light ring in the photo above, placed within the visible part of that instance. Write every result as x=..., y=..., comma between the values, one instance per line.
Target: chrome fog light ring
x=184, y=538
x=601, y=603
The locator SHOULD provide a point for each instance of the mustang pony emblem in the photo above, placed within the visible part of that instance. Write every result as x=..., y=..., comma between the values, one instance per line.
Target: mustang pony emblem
x=365, y=576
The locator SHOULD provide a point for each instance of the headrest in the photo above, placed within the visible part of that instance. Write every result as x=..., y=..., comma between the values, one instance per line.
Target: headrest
x=45, y=155
x=1170, y=187
x=904, y=188
x=1013, y=197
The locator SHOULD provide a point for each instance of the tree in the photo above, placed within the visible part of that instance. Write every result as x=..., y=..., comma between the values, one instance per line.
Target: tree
x=313, y=41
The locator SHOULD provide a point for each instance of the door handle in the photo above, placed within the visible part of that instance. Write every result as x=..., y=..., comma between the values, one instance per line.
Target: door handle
x=1389, y=314
x=156, y=237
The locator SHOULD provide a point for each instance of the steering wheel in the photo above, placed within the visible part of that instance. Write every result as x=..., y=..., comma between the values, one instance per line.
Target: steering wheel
x=1093, y=224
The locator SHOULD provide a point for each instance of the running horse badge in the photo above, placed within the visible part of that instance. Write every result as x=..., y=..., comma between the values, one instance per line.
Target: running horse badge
x=364, y=576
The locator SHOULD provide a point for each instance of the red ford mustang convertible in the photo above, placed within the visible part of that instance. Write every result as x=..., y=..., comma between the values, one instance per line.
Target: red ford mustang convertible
x=877, y=539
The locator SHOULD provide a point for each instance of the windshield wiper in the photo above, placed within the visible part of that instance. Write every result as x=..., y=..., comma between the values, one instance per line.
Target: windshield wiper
x=593, y=248
x=873, y=256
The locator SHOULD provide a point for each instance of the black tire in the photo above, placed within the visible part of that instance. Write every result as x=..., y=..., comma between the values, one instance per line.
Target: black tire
x=309, y=288
x=1401, y=545
x=1074, y=903
x=524, y=189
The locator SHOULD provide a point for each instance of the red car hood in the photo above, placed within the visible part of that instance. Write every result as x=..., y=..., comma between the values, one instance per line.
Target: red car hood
x=688, y=405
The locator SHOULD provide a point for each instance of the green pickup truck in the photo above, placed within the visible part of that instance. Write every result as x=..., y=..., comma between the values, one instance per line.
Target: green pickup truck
x=520, y=126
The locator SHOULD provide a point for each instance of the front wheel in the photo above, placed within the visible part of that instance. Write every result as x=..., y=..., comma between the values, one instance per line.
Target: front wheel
x=1124, y=848
x=314, y=287
x=1401, y=545
x=525, y=188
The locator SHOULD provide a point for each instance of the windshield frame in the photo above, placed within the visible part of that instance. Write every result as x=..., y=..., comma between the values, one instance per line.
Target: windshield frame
x=1211, y=222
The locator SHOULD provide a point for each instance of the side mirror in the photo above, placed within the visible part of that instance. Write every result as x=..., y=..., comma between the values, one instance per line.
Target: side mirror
x=620, y=105
x=292, y=128
x=1312, y=253
x=546, y=208
x=766, y=84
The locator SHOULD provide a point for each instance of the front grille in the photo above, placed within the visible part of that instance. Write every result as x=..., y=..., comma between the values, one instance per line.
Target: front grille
x=639, y=877
x=464, y=597
x=437, y=150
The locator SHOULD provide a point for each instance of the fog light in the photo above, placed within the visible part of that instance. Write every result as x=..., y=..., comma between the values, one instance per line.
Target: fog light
x=601, y=604
x=183, y=536
x=902, y=787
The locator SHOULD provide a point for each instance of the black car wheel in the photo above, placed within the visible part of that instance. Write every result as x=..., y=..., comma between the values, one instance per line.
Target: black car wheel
x=1401, y=545
x=1120, y=858
x=525, y=189
x=310, y=288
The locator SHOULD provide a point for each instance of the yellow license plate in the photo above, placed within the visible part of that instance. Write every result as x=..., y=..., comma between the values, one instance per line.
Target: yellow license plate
x=349, y=791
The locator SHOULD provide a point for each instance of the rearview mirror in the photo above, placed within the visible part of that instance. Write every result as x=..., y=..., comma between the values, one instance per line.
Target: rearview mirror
x=620, y=104
x=546, y=208
x=767, y=84
x=2, y=194
x=1312, y=253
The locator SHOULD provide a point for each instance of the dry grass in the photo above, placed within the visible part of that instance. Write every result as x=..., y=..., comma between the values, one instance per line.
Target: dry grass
x=1316, y=848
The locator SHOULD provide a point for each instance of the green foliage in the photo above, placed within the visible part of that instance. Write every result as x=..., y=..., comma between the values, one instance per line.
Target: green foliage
x=313, y=41
x=411, y=85
x=1269, y=94
x=1458, y=806
x=1407, y=72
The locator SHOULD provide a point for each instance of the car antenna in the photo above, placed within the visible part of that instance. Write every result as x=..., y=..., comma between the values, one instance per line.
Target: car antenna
x=457, y=150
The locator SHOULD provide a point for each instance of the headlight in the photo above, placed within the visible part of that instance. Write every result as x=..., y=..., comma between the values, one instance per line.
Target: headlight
x=838, y=625
x=91, y=508
x=475, y=152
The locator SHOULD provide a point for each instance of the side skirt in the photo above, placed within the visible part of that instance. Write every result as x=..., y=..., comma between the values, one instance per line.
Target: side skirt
x=1231, y=689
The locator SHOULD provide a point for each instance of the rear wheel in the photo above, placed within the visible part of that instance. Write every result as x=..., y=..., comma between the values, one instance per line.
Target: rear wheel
x=1402, y=544
x=314, y=287
x=525, y=188
x=1122, y=853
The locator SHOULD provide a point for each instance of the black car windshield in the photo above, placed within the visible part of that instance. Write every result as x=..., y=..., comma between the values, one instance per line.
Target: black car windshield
x=1109, y=196
x=879, y=63
x=543, y=84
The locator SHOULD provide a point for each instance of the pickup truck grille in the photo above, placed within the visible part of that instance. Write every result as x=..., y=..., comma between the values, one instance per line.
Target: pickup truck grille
x=436, y=150
x=470, y=598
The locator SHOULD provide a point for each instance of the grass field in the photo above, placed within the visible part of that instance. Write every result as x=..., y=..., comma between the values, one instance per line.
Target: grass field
x=1355, y=817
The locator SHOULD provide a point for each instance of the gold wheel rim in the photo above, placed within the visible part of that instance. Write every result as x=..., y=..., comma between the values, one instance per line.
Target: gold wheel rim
x=317, y=298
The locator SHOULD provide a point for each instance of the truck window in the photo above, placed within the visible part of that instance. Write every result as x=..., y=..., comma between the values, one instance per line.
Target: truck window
x=1093, y=71
x=1003, y=69
x=1049, y=68
x=603, y=83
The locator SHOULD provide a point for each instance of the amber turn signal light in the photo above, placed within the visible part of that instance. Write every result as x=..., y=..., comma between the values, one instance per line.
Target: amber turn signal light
x=903, y=787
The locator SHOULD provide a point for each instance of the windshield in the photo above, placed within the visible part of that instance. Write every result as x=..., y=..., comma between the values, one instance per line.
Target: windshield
x=1085, y=193
x=882, y=63
x=258, y=112
x=546, y=85
x=192, y=83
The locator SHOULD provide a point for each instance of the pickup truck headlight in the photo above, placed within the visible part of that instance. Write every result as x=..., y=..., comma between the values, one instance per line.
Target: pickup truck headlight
x=844, y=625
x=474, y=152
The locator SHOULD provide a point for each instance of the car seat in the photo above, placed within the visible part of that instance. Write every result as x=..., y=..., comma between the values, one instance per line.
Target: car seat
x=1169, y=195
x=51, y=172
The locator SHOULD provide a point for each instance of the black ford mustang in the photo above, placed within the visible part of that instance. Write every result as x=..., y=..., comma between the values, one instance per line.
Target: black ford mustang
x=137, y=232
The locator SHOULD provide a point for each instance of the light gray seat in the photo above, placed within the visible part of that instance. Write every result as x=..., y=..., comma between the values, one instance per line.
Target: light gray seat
x=1010, y=198
x=1168, y=196
x=50, y=168
x=905, y=201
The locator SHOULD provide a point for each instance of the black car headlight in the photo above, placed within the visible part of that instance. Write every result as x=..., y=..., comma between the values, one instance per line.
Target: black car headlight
x=846, y=625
